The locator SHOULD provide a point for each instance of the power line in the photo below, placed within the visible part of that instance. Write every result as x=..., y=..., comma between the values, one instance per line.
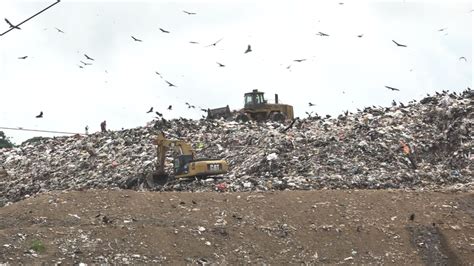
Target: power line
x=38, y=130
x=31, y=17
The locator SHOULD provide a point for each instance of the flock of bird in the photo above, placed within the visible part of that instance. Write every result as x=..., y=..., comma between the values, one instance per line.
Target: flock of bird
x=89, y=60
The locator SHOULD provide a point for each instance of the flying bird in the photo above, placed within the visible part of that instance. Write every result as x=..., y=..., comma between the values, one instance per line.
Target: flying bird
x=400, y=45
x=170, y=84
x=23, y=57
x=189, y=13
x=170, y=107
x=214, y=44
x=392, y=88
x=158, y=74
x=204, y=110
x=163, y=30
x=360, y=35
x=59, y=30
x=86, y=64
x=88, y=57
x=322, y=34
x=151, y=110
x=80, y=66
x=462, y=57
x=443, y=29
x=249, y=49
x=40, y=115
x=220, y=65
x=311, y=104
x=159, y=114
x=135, y=39
x=193, y=42
x=299, y=60
x=11, y=25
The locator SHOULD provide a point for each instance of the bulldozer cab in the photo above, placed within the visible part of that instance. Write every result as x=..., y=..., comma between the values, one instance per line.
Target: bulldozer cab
x=254, y=98
x=180, y=164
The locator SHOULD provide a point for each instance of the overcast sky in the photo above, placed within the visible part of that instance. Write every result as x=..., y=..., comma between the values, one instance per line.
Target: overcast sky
x=342, y=71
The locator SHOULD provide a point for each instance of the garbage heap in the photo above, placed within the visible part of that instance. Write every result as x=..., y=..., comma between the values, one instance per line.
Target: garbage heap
x=421, y=145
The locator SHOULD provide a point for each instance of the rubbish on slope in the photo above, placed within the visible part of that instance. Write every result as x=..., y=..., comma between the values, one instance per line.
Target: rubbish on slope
x=360, y=150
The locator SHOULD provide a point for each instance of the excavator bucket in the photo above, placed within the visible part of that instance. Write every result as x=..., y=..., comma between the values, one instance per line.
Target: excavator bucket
x=217, y=113
x=155, y=179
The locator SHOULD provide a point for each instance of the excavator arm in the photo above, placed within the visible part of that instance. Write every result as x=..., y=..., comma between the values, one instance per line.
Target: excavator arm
x=161, y=150
x=163, y=145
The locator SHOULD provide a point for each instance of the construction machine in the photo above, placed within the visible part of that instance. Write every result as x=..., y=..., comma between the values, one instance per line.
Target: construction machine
x=184, y=164
x=255, y=108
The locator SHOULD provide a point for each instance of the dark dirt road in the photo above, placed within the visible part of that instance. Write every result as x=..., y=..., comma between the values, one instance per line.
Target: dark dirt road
x=289, y=227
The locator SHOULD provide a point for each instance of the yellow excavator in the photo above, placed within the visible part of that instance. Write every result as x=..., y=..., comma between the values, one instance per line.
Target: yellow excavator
x=185, y=164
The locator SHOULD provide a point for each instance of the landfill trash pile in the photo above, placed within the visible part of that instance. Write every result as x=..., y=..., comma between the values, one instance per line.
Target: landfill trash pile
x=423, y=145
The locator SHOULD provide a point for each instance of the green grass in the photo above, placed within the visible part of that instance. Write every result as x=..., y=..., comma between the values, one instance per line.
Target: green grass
x=37, y=246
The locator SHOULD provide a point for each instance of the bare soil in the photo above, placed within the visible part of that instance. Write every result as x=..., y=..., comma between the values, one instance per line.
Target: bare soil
x=285, y=227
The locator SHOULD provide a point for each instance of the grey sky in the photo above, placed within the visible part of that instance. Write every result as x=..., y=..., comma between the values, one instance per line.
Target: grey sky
x=342, y=71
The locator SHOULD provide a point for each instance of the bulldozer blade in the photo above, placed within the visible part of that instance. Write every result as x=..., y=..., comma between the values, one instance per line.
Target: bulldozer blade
x=217, y=113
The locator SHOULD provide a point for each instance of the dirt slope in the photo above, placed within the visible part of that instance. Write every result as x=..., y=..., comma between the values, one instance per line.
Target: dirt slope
x=329, y=227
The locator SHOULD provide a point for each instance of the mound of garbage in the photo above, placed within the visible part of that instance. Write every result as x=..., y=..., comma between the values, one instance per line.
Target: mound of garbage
x=421, y=145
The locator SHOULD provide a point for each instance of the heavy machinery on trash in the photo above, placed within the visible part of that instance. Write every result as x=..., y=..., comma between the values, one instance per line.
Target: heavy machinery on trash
x=185, y=164
x=256, y=108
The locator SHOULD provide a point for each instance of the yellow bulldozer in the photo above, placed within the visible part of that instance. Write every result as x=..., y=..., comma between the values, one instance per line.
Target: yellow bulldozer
x=185, y=164
x=255, y=108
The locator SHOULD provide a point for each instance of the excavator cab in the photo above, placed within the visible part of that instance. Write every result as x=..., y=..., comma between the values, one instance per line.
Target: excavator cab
x=254, y=99
x=181, y=164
